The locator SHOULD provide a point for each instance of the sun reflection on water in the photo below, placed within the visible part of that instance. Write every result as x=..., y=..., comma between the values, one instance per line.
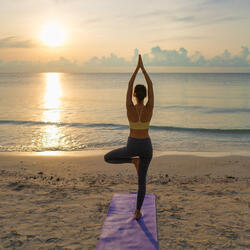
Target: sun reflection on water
x=52, y=98
x=52, y=134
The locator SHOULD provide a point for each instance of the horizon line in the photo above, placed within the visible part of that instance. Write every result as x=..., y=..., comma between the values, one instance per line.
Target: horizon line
x=127, y=72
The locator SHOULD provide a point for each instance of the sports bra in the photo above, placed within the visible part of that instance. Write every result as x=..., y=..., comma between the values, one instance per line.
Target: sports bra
x=139, y=124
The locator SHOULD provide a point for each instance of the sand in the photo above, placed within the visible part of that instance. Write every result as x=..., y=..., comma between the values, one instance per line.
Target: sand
x=61, y=201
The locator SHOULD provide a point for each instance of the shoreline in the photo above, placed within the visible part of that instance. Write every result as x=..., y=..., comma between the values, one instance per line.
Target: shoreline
x=98, y=152
x=92, y=162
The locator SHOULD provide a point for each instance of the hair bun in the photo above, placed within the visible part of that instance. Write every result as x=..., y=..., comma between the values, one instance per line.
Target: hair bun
x=140, y=92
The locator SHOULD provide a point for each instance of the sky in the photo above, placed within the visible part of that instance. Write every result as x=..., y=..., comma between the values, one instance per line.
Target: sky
x=100, y=36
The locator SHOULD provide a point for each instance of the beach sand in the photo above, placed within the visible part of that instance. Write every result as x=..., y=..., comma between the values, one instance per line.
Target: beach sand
x=61, y=201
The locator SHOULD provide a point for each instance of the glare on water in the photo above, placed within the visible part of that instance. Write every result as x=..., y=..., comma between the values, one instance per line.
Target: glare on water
x=51, y=134
x=52, y=101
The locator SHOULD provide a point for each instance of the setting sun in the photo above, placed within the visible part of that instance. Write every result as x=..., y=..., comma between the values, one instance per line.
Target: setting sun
x=53, y=35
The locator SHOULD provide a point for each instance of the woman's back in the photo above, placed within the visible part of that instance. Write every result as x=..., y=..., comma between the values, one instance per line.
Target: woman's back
x=139, y=117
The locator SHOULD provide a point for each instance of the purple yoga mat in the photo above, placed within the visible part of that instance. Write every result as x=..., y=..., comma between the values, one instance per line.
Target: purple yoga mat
x=121, y=231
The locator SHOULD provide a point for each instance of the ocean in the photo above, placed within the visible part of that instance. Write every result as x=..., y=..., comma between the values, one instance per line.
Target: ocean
x=73, y=112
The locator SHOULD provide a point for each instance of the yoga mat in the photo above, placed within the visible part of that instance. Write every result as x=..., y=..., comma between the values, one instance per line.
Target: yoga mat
x=121, y=231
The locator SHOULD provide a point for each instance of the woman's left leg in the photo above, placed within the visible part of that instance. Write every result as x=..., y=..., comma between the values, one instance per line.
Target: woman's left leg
x=144, y=164
x=146, y=155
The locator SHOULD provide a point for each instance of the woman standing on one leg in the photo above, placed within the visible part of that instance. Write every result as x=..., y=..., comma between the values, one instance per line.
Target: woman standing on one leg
x=139, y=148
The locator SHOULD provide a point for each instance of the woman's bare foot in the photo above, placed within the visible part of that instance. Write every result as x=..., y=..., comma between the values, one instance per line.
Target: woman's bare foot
x=137, y=215
x=136, y=161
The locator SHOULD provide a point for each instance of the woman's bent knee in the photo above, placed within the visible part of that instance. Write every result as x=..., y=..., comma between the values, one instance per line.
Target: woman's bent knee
x=106, y=158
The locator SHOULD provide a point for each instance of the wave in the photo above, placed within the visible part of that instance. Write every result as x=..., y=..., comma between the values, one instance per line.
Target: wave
x=63, y=124
x=233, y=110
x=203, y=130
x=207, y=109
x=113, y=126
x=180, y=107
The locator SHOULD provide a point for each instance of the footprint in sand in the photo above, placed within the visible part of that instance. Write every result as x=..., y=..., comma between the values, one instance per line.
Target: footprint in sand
x=13, y=243
x=53, y=240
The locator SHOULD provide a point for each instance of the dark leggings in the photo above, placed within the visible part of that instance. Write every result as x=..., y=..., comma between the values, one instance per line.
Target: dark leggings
x=135, y=147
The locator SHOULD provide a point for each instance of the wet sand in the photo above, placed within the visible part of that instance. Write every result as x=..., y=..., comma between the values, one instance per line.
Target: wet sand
x=61, y=201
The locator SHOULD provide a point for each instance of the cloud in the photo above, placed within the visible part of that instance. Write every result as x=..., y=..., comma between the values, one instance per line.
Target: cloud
x=227, y=60
x=180, y=38
x=184, y=19
x=13, y=42
x=92, y=20
x=160, y=57
x=202, y=21
x=110, y=61
x=228, y=19
x=154, y=13
x=60, y=65
x=166, y=15
x=194, y=17
x=157, y=57
x=211, y=2
x=64, y=1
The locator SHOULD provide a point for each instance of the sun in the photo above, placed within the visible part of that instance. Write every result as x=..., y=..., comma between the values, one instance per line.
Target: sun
x=53, y=35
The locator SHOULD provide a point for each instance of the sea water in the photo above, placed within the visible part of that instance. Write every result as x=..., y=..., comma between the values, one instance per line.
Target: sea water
x=72, y=112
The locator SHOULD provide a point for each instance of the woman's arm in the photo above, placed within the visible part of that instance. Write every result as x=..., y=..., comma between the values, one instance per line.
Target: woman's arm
x=150, y=102
x=130, y=88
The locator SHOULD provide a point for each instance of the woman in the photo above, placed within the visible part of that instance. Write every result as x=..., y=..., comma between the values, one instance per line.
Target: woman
x=139, y=148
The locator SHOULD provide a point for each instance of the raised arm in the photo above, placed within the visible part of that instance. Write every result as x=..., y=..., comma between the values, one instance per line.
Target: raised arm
x=129, y=102
x=150, y=102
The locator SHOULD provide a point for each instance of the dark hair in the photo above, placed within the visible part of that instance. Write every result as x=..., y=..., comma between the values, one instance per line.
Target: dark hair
x=140, y=92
